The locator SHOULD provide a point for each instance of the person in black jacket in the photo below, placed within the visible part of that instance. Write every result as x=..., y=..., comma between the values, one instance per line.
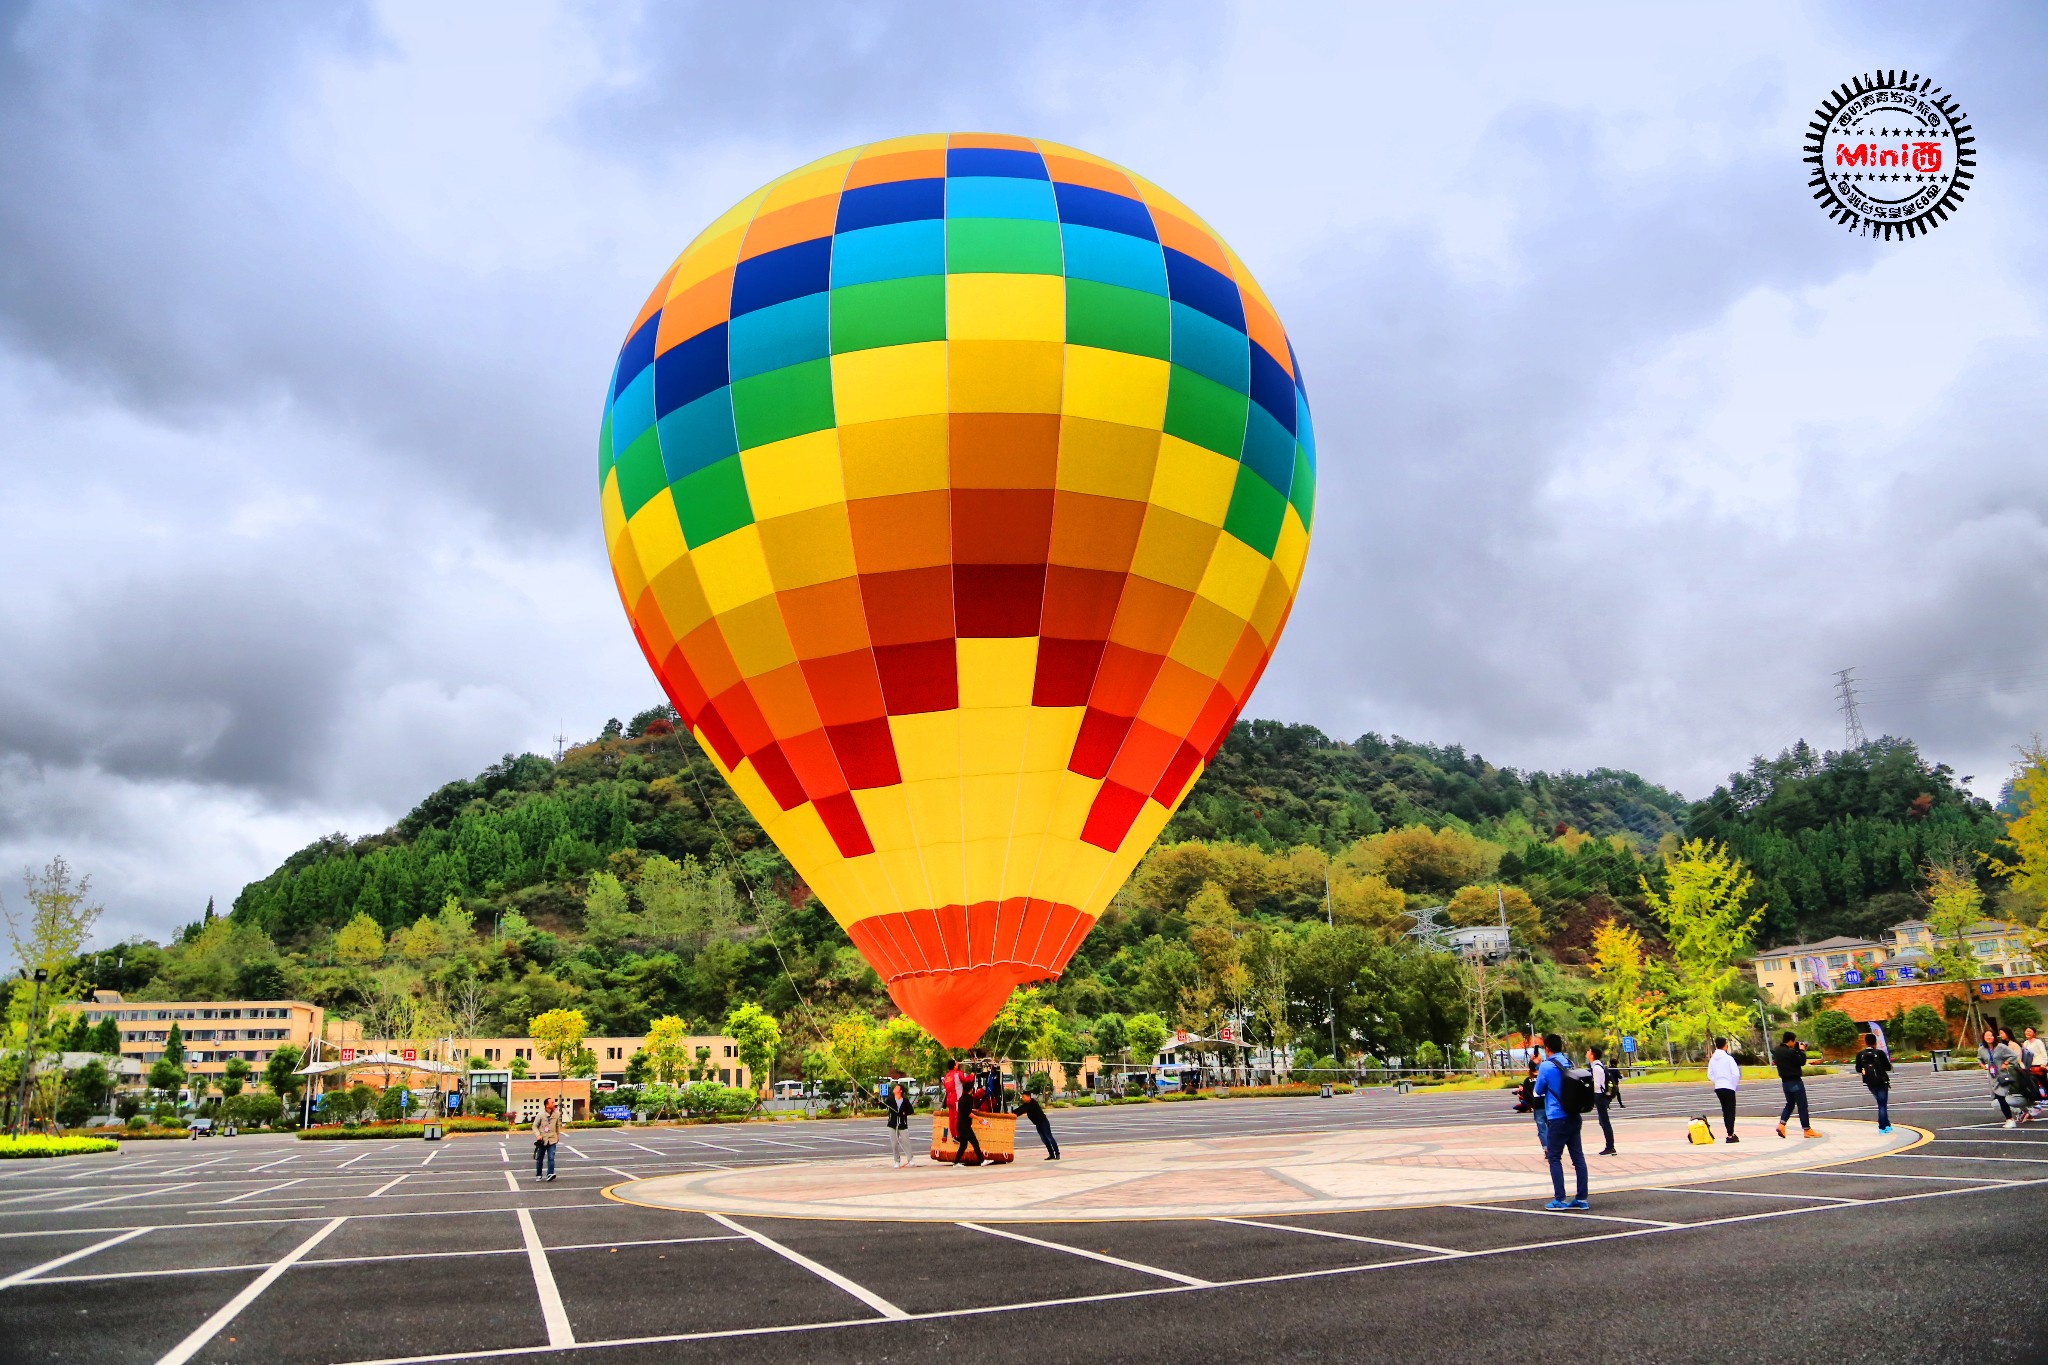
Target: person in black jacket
x=900, y=1110
x=1875, y=1067
x=1789, y=1056
x=1027, y=1105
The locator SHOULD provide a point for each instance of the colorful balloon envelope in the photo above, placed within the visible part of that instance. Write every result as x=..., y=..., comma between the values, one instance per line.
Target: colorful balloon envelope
x=957, y=488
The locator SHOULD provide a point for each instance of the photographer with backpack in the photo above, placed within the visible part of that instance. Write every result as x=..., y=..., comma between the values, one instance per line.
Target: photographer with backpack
x=1566, y=1097
x=1603, y=1079
x=1874, y=1065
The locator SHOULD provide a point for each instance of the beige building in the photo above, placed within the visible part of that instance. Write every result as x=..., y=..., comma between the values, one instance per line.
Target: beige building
x=721, y=1061
x=212, y=1030
x=1902, y=955
x=215, y=1030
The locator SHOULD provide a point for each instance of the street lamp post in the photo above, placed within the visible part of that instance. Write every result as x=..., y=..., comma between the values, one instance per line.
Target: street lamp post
x=28, y=1050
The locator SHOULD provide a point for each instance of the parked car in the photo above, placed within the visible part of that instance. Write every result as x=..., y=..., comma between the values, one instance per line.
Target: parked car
x=200, y=1128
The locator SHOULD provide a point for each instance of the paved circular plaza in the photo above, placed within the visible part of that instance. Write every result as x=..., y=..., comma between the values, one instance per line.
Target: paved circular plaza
x=1237, y=1177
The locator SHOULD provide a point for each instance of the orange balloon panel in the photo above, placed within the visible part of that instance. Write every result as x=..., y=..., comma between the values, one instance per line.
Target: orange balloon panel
x=957, y=488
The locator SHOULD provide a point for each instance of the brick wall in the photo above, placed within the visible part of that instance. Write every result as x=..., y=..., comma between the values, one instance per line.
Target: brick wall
x=1882, y=1002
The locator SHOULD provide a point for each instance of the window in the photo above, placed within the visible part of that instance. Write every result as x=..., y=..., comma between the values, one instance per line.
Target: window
x=728, y=1049
x=1838, y=959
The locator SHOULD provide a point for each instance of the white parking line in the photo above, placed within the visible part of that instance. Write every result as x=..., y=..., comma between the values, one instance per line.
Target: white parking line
x=265, y=1189
x=226, y=1313
x=1101, y=1256
x=551, y=1310
x=21, y=1276
x=825, y=1273
x=132, y=1194
x=1567, y=1213
x=281, y=1161
x=39, y=1194
x=1746, y=1194
x=511, y=1182
x=388, y=1185
x=2022, y=1160
x=1342, y=1236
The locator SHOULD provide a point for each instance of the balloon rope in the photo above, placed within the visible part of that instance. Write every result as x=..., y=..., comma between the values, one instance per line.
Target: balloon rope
x=733, y=859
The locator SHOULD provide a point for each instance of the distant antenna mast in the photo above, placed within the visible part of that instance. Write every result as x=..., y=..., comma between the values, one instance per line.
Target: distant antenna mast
x=1852, y=719
x=560, y=740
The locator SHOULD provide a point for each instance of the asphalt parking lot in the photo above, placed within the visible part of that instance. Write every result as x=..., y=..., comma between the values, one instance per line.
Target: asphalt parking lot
x=280, y=1251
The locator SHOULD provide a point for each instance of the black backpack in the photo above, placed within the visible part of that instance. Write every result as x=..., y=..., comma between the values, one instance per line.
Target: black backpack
x=1575, y=1088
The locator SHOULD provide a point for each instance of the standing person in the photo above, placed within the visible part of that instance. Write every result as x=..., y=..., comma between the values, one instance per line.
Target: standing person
x=961, y=1091
x=547, y=1131
x=1028, y=1107
x=1987, y=1055
x=900, y=1110
x=1561, y=1132
x=1874, y=1065
x=1725, y=1075
x=1789, y=1056
x=2018, y=1079
x=2035, y=1053
x=1535, y=1101
x=1601, y=1076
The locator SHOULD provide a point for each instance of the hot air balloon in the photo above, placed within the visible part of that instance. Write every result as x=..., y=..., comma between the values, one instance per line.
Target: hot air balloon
x=957, y=488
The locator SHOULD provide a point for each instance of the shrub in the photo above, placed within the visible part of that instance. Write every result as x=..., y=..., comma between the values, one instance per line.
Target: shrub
x=488, y=1104
x=1922, y=1027
x=593, y=1123
x=1428, y=1054
x=2019, y=1014
x=136, y=1123
x=1835, y=1030
x=36, y=1145
x=394, y=1103
x=1039, y=1083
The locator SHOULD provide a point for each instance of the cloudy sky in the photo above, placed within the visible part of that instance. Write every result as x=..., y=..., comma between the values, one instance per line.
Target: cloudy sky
x=306, y=313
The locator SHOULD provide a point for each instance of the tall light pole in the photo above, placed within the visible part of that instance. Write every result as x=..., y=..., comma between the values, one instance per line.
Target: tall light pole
x=28, y=1049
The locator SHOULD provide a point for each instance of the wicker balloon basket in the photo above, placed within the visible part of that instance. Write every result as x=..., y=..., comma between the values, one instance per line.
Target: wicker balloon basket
x=997, y=1134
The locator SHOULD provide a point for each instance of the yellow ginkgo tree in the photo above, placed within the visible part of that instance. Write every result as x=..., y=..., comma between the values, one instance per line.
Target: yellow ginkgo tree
x=1709, y=923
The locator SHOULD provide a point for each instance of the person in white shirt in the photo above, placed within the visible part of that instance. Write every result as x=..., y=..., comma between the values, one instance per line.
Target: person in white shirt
x=1600, y=1098
x=1724, y=1075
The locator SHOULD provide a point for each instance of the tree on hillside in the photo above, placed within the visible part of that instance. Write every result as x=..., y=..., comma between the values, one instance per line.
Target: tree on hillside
x=666, y=1049
x=360, y=942
x=1483, y=904
x=46, y=935
x=559, y=1036
x=280, y=1073
x=1145, y=1034
x=2026, y=830
x=757, y=1037
x=608, y=918
x=1623, y=995
x=1954, y=905
x=1424, y=861
x=1703, y=910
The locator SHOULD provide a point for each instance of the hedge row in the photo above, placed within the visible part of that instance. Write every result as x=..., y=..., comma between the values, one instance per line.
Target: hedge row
x=37, y=1145
x=372, y=1131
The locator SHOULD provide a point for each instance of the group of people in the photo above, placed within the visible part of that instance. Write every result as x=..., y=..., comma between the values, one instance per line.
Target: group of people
x=1788, y=1058
x=2016, y=1067
x=969, y=1087
x=1560, y=1099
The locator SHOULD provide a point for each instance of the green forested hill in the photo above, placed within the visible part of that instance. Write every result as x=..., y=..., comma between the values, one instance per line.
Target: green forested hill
x=626, y=880
x=1839, y=842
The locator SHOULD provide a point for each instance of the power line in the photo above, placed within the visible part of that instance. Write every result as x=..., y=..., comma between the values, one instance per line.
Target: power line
x=1852, y=720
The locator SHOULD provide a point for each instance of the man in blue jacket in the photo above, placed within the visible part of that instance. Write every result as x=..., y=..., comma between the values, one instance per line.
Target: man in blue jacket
x=1563, y=1125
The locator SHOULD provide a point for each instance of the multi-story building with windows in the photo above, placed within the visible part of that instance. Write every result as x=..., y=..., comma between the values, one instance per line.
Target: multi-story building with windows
x=212, y=1030
x=1904, y=954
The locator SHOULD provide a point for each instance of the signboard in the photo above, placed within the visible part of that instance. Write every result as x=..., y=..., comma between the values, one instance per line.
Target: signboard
x=348, y=1054
x=1877, y=975
x=1628, y=1042
x=1852, y=977
x=2004, y=987
x=1905, y=973
x=615, y=1111
x=411, y=1054
x=1226, y=1034
x=1181, y=1035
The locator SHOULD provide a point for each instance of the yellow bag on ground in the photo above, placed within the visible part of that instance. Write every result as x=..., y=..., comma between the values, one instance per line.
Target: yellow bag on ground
x=1698, y=1132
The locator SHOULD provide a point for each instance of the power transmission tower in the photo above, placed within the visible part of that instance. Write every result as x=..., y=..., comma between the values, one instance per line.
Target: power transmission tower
x=1852, y=719
x=560, y=740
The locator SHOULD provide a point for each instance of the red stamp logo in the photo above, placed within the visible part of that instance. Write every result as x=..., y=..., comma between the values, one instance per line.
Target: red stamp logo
x=1891, y=155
